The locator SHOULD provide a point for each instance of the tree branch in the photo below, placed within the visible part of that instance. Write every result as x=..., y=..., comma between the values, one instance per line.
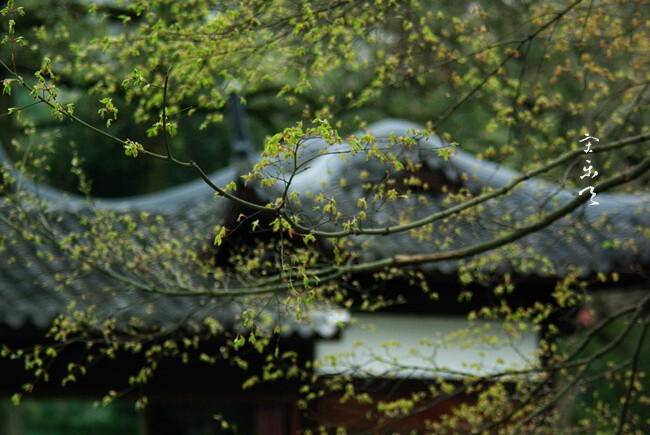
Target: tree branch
x=560, y=212
x=190, y=164
x=467, y=204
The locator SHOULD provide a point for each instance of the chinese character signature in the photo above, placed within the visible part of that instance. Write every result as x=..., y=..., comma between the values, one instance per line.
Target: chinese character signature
x=589, y=171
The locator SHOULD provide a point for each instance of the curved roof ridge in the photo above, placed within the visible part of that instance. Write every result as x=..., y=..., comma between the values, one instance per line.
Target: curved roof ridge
x=492, y=174
x=170, y=199
x=179, y=198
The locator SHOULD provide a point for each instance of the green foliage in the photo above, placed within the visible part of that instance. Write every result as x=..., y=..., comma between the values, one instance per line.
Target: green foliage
x=151, y=79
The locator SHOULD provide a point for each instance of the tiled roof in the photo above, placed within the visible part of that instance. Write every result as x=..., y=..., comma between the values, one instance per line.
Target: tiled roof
x=30, y=293
x=28, y=279
x=586, y=239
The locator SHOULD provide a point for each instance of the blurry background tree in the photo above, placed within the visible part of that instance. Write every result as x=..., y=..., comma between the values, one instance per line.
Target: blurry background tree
x=517, y=82
x=356, y=66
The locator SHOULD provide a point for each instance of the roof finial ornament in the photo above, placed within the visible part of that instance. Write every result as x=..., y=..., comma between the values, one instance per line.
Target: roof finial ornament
x=240, y=138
